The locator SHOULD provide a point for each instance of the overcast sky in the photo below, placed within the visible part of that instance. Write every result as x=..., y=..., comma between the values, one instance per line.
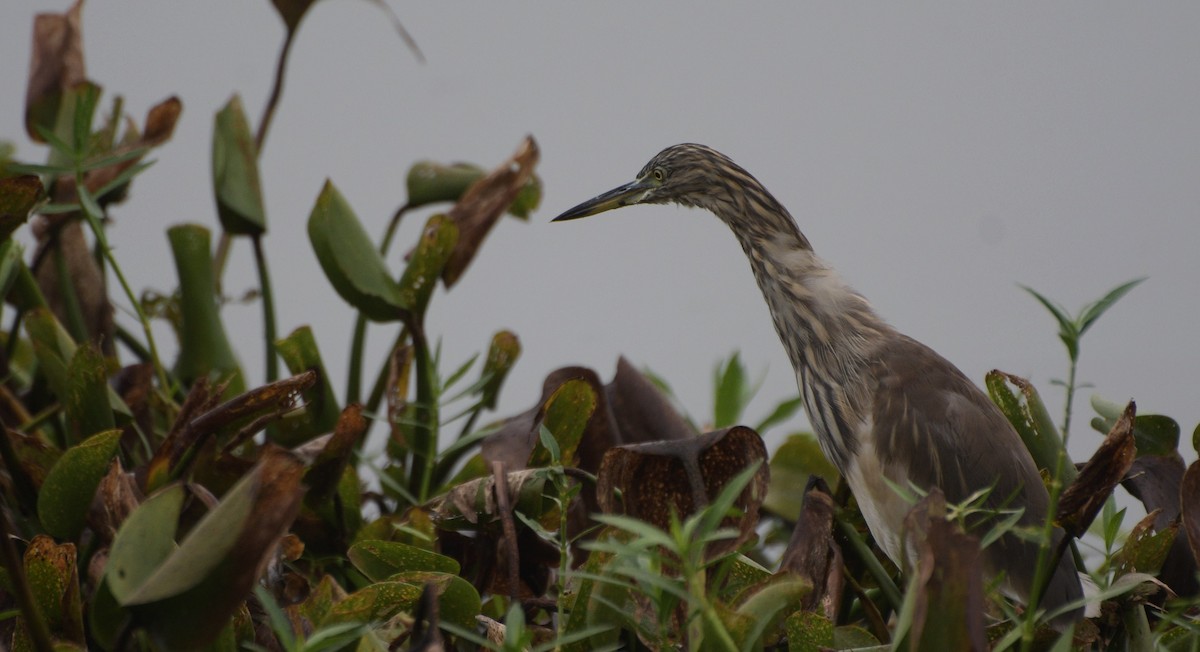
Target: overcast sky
x=936, y=154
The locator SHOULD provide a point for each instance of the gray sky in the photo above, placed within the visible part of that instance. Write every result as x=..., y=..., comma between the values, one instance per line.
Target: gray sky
x=936, y=154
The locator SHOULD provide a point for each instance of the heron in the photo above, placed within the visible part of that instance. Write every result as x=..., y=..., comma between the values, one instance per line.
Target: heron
x=888, y=411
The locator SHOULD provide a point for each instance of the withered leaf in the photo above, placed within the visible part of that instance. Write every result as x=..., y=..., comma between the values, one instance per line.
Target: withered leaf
x=56, y=64
x=948, y=614
x=1082, y=501
x=813, y=554
x=18, y=195
x=1146, y=547
x=683, y=475
x=486, y=200
x=642, y=412
x=326, y=471
x=1156, y=481
x=50, y=570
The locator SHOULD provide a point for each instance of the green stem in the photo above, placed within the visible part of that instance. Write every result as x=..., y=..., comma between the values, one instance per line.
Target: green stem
x=1047, y=559
x=98, y=232
x=1066, y=429
x=264, y=125
x=358, y=344
x=425, y=432
x=381, y=379
x=75, y=322
x=268, y=301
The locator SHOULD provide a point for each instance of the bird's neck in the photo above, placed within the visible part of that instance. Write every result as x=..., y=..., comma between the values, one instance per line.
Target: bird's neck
x=827, y=328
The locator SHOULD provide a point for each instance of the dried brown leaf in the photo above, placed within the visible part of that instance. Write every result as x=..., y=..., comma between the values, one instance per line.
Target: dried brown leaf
x=949, y=603
x=322, y=479
x=642, y=412
x=1082, y=501
x=56, y=64
x=482, y=205
x=655, y=479
x=1156, y=480
x=813, y=554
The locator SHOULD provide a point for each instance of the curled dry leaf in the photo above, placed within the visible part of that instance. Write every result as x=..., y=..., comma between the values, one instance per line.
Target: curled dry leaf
x=18, y=195
x=322, y=479
x=486, y=200
x=1087, y=494
x=56, y=65
x=1146, y=547
x=948, y=614
x=813, y=554
x=683, y=475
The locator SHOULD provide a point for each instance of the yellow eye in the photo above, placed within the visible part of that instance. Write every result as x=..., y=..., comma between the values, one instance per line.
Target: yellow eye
x=658, y=174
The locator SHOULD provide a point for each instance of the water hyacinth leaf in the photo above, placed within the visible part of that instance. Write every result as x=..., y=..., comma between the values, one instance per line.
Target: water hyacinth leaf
x=379, y=560
x=427, y=262
x=190, y=598
x=1145, y=548
x=50, y=570
x=482, y=205
x=204, y=349
x=144, y=541
x=87, y=404
x=502, y=355
x=1155, y=434
x=375, y=603
x=350, y=260
x=566, y=417
x=56, y=65
x=796, y=460
x=1086, y=495
x=808, y=632
x=18, y=195
x=429, y=182
x=1028, y=415
x=67, y=493
x=458, y=601
x=236, y=183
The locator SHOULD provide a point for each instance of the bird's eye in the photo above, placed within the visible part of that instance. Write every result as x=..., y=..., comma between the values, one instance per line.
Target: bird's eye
x=659, y=175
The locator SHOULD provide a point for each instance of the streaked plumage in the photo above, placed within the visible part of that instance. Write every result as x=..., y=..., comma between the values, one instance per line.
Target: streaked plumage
x=881, y=404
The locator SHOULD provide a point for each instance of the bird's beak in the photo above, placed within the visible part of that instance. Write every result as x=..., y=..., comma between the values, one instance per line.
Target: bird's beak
x=630, y=193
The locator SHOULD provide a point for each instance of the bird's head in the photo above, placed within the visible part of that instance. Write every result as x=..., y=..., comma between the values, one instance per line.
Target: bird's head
x=687, y=174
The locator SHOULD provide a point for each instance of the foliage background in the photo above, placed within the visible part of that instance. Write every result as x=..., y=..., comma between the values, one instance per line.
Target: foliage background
x=935, y=155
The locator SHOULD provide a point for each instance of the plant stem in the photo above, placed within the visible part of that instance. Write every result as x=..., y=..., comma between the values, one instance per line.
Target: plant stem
x=424, y=448
x=1066, y=428
x=1047, y=559
x=357, y=345
x=872, y=563
x=102, y=240
x=268, y=301
x=264, y=125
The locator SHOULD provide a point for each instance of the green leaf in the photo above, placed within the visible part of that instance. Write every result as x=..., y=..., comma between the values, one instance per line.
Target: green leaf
x=501, y=356
x=430, y=182
x=379, y=560
x=1029, y=417
x=730, y=392
x=1093, y=311
x=767, y=607
x=1154, y=434
x=375, y=603
x=808, y=631
x=350, y=260
x=320, y=414
x=566, y=415
x=458, y=601
x=53, y=347
x=1068, y=331
x=782, y=412
x=528, y=198
x=236, y=183
x=67, y=493
x=425, y=267
x=204, y=349
x=53, y=577
x=11, y=262
x=145, y=540
x=87, y=404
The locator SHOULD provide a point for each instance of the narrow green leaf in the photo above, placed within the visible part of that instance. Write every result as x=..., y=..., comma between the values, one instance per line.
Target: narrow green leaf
x=350, y=260
x=782, y=412
x=11, y=262
x=1093, y=311
x=730, y=394
x=299, y=352
x=67, y=493
x=236, y=183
